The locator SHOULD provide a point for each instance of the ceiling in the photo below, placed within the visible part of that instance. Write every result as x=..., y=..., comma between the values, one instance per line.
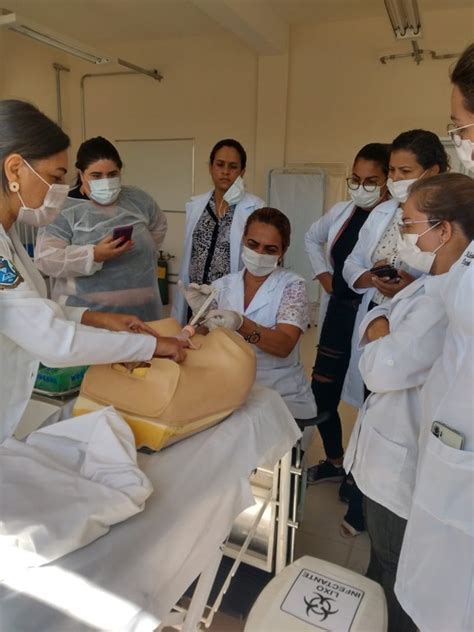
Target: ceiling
x=304, y=11
x=95, y=21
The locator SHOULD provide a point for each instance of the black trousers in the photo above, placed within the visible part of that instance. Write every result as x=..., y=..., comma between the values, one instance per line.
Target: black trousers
x=331, y=364
x=386, y=531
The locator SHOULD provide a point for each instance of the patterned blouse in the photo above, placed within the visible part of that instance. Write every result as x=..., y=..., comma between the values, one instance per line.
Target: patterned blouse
x=210, y=253
x=387, y=248
x=294, y=305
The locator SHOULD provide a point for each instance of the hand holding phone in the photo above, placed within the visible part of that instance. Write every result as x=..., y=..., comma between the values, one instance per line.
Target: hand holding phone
x=385, y=271
x=111, y=248
x=122, y=232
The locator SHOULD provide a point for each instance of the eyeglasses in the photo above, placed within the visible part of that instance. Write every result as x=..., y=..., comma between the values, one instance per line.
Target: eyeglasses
x=456, y=138
x=354, y=184
x=404, y=224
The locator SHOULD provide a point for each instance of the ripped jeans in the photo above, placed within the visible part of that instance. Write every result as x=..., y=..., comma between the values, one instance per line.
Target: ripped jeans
x=330, y=368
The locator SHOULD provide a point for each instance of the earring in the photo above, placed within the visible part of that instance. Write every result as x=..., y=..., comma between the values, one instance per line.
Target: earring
x=14, y=187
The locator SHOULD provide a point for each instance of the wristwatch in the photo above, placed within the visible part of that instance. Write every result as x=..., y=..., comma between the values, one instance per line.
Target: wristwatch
x=253, y=337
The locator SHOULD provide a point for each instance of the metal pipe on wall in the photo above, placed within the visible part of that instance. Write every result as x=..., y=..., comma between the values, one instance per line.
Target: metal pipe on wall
x=58, y=69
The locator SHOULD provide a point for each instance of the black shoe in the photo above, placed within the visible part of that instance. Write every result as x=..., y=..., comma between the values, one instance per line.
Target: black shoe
x=345, y=489
x=325, y=471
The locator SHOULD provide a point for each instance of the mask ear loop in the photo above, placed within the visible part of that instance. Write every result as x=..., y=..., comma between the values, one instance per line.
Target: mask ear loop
x=36, y=173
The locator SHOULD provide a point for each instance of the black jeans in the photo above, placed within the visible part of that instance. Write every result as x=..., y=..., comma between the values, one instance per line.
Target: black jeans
x=386, y=531
x=330, y=368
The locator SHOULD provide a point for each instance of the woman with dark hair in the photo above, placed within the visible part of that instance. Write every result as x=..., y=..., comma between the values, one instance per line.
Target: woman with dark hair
x=438, y=545
x=402, y=340
x=33, y=329
x=91, y=266
x=268, y=306
x=461, y=129
x=328, y=243
x=415, y=155
x=215, y=222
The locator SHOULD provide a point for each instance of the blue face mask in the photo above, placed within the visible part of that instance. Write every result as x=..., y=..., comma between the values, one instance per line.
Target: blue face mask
x=106, y=190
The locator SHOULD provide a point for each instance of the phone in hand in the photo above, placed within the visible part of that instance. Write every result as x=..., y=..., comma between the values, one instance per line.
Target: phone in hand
x=385, y=271
x=123, y=232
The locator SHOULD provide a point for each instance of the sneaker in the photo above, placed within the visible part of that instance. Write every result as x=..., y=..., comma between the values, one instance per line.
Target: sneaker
x=325, y=471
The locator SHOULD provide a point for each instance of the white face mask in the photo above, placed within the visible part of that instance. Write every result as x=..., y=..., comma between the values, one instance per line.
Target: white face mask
x=105, y=190
x=465, y=153
x=257, y=264
x=363, y=198
x=412, y=255
x=235, y=192
x=399, y=190
x=51, y=207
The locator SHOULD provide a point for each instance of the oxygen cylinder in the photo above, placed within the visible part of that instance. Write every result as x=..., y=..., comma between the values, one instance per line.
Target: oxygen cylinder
x=163, y=281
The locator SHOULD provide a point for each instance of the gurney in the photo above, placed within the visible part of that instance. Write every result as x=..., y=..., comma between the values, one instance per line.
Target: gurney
x=145, y=565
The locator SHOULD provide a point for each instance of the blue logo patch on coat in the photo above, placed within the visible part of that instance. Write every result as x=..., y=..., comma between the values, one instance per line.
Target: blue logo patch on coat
x=9, y=275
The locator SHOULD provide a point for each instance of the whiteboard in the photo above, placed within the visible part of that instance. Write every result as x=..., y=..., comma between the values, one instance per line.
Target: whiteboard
x=164, y=168
x=300, y=195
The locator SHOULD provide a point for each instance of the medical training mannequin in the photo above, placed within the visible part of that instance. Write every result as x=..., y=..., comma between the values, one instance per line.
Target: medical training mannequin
x=215, y=222
x=401, y=341
x=91, y=268
x=268, y=306
x=328, y=242
x=33, y=160
x=438, y=546
x=414, y=154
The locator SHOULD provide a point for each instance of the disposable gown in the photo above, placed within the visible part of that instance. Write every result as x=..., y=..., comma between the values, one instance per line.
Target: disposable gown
x=65, y=252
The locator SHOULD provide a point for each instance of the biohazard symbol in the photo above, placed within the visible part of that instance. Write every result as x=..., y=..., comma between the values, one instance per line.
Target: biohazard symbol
x=319, y=605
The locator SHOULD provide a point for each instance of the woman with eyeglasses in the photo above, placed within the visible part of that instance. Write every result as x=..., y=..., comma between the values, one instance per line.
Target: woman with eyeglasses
x=339, y=230
x=439, y=538
x=461, y=130
x=416, y=154
x=402, y=340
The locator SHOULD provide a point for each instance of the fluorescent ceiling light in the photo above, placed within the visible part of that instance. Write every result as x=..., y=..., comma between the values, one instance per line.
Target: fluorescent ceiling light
x=404, y=17
x=16, y=23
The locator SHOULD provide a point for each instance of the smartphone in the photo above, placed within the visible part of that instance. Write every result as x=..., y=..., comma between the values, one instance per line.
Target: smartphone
x=124, y=232
x=385, y=271
x=447, y=435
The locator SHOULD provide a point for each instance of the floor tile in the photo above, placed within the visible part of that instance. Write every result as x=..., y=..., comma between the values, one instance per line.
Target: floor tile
x=325, y=548
x=358, y=560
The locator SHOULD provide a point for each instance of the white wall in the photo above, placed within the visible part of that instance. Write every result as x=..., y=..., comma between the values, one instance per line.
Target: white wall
x=319, y=103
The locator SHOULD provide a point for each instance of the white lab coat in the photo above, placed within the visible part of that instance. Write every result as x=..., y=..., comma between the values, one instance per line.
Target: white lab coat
x=285, y=375
x=435, y=580
x=34, y=329
x=383, y=448
x=194, y=210
x=318, y=242
x=359, y=261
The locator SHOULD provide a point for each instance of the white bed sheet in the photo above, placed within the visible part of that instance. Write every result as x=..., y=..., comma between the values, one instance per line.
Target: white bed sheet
x=131, y=578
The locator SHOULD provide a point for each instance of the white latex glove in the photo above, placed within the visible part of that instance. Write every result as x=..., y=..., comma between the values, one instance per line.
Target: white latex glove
x=195, y=294
x=223, y=318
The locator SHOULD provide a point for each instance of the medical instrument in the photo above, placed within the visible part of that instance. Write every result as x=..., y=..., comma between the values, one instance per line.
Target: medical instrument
x=447, y=435
x=188, y=331
x=202, y=310
x=124, y=232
